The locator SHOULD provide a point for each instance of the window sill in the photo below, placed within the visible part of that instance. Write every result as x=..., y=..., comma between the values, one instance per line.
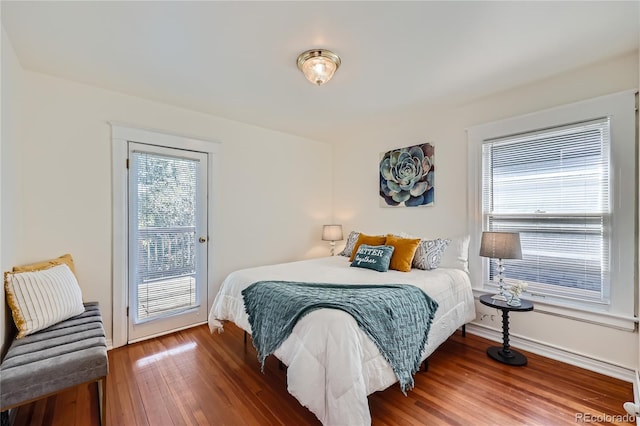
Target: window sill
x=577, y=313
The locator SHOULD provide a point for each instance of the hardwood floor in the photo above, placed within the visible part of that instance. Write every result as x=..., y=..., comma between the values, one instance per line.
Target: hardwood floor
x=195, y=378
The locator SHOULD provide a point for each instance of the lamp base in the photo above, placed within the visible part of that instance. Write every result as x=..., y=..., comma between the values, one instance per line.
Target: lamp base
x=499, y=297
x=509, y=357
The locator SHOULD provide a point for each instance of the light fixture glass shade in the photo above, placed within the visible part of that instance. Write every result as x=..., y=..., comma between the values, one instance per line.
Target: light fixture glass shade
x=501, y=245
x=318, y=65
x=332, y=233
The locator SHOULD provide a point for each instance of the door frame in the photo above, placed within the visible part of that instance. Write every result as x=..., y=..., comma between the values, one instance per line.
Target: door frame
x=121, y=134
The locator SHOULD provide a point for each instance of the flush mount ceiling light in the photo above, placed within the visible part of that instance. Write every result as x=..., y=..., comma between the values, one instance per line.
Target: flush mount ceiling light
x=318, y=65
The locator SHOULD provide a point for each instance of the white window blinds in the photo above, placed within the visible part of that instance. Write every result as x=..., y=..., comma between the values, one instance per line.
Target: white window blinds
x=552, y=186
x=165, y=201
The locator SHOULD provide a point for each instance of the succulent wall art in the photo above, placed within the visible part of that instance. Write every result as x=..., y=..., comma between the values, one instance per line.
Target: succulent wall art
x=406, y=176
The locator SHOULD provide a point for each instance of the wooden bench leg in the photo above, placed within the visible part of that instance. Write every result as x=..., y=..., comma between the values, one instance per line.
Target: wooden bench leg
x=102, y=400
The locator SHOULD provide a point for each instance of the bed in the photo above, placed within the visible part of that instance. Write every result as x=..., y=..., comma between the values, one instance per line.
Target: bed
x=332, y=364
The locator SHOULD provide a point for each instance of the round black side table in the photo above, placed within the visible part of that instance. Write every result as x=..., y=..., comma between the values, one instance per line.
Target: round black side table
x=505, y=354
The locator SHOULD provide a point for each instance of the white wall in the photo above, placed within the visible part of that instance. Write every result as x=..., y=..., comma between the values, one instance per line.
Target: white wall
x=356, y=199
x=11, y=87
x=276, y=188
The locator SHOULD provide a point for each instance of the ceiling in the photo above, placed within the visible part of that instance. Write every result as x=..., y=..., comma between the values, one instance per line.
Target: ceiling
x=238, y=59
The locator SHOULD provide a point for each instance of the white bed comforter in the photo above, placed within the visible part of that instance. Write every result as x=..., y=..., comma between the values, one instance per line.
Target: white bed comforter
x=332, y=364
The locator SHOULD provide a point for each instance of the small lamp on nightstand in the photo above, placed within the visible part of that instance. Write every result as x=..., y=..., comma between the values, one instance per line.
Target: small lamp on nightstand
x=332, y=233
x=501, y=245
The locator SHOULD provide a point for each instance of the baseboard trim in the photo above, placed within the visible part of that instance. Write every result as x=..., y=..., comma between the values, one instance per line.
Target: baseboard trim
x=559, y=354
x=109, y=344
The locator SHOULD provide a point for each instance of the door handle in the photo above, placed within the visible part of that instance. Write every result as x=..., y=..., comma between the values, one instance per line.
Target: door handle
x=202, y=239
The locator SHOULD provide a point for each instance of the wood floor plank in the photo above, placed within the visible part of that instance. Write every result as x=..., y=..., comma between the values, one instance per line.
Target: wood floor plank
x=65, y=403
x=195, y=378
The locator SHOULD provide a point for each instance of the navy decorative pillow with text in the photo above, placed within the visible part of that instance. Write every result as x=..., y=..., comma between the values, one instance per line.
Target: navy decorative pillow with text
x=373, y=257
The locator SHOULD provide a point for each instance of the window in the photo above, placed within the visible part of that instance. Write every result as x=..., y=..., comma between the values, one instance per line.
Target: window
x=564, y=178
x=552, y=186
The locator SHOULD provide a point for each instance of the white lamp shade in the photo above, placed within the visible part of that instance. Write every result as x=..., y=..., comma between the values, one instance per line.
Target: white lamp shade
x=332, y=233
x=501, y=245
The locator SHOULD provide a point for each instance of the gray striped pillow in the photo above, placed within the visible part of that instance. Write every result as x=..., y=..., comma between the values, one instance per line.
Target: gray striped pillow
x=42, y=298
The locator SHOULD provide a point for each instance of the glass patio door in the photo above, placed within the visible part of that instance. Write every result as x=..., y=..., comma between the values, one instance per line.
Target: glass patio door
x=167, y=240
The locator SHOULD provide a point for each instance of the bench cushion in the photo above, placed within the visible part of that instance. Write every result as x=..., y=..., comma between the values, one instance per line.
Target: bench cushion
x=67, y=354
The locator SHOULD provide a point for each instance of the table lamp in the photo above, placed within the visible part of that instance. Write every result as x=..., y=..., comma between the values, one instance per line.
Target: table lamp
x=332, y=233
x=501, y=245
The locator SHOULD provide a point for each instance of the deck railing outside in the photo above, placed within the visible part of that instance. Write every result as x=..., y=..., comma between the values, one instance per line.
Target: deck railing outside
x=166, y=270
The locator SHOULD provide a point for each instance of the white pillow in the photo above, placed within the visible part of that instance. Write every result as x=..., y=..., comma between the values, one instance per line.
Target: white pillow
x=40, y=299
x=457, y=254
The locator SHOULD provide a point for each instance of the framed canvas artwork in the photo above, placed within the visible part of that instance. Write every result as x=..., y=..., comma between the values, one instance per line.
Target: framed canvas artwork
x=406, y=176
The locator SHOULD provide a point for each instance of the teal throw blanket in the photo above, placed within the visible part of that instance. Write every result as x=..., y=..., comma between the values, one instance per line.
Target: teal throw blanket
x=396, y=317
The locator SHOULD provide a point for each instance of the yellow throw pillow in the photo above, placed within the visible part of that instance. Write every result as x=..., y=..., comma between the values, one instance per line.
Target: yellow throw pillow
x=65, y=259
x=40, y=299
x=372, y=240
x=404, y=250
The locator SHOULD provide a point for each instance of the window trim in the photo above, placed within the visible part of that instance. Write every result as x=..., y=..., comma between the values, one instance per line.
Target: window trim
x=620, y=107
x=501, y=211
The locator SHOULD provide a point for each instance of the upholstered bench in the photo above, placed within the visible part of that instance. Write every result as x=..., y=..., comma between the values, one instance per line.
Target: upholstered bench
x=67, y=354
